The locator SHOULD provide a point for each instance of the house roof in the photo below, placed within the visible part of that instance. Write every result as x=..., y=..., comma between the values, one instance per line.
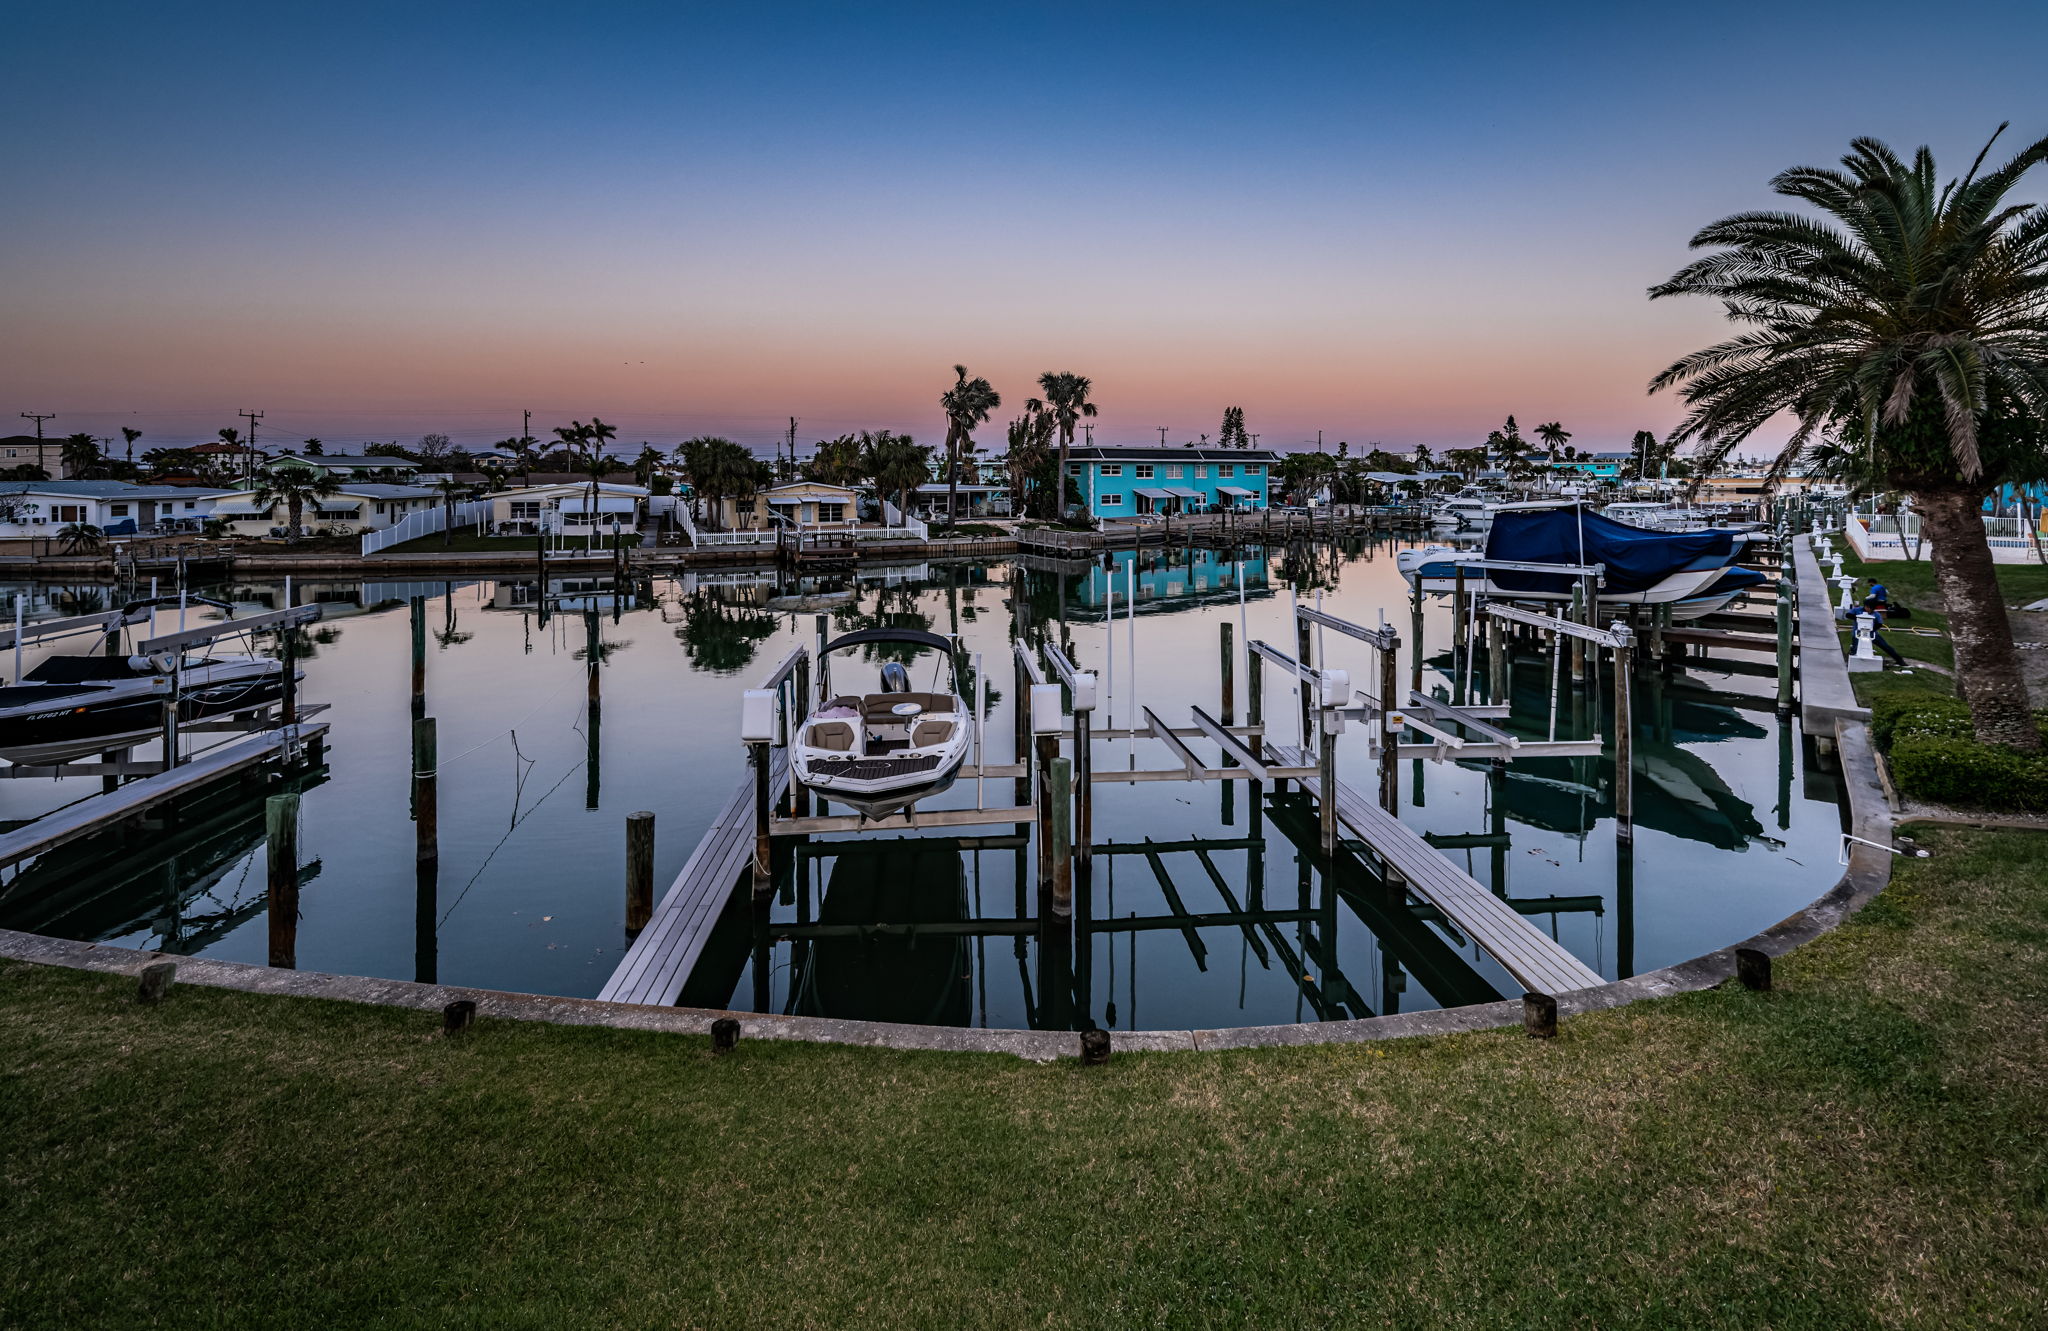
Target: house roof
x=361, y=489
x=27, y=441
x=345, y=460
x=107, y=490
x=1112, y=453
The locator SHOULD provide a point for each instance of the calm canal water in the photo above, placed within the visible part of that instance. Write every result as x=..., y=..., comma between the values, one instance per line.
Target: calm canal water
x=1732, y=833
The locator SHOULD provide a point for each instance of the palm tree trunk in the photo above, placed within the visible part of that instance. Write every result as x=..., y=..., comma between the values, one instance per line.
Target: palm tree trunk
x=293, y=511
x=1059, y=478
x=1987, y=664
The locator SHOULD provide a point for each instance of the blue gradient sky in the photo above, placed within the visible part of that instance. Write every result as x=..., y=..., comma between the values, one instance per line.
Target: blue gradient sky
x=1387, y=224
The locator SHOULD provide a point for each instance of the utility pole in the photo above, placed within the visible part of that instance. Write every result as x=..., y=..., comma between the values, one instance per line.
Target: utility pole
x=1255, y=440
x=792, y=446
x=525, y=425
x=1162, y=436
x=39, y=417
x=250, y=443
x=1088, y=432
x=1319, y=441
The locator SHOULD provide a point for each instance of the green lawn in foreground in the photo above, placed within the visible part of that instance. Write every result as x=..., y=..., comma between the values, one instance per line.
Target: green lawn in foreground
x=1866, y=1146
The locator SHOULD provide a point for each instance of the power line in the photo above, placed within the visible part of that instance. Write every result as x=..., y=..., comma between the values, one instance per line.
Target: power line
x=39, y=417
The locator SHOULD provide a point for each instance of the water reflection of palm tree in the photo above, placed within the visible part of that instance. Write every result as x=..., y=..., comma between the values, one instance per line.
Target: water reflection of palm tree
x=722, y=638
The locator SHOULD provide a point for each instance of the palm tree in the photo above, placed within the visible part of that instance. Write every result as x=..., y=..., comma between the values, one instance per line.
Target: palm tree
x=644, y=466
x=131, y=434
x=314, y=448
x=294, y=487
x=450, y=490
x=79, y=536
x=719, y=469
x=968, y=403
x=897, y=465
x=1909, y=319
x=1028, y=436
x=1066, y=399
x=836, y=461
x=80, y=457
x=1553, y=436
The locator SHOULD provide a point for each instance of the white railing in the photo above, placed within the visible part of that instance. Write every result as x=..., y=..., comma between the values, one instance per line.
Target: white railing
x=1877, y=537
x=893, y=518
x=427, y=522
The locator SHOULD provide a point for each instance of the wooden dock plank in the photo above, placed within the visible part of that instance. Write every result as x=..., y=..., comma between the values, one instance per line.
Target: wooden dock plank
x=1535, y=960
x=90, y=815
x=659, y=962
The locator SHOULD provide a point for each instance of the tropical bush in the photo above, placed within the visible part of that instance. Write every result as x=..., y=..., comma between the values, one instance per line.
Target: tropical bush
x=1945, y=769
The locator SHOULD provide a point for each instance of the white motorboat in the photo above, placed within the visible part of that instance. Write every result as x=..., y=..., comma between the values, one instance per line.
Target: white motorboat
x=882, y=752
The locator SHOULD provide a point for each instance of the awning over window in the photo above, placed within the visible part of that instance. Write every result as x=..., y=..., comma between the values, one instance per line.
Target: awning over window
x=1151, y=493
x=789, y=501
x=1182, y=492
x=1237, y=490
x=605, y=504
x=239, y=511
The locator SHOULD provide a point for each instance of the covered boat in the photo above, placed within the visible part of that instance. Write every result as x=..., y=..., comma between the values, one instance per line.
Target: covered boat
x=1638, y=566
x=882, y=752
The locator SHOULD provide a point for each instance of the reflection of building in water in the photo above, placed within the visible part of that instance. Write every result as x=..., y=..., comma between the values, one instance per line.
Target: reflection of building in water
x=570, y=595
x=1170, y=580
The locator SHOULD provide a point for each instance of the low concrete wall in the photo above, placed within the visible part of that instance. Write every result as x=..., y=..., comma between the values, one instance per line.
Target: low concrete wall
x=1825, y=695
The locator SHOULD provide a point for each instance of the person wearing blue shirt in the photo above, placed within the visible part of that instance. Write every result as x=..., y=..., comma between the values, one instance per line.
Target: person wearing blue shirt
x=1875, y=605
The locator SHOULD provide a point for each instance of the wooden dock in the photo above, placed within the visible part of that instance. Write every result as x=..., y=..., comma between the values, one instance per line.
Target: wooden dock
x=89, y=816
x=1536, y=961
x=658, y=964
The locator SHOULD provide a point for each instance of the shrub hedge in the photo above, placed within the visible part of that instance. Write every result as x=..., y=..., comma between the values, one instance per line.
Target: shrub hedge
x=1935, y=756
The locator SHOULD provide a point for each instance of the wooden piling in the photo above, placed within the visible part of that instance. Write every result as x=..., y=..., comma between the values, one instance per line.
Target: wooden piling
x=1784, y=617
x=425, y=792
x=1578, y=647
x=1304, y=646
x=639, y=871
x=1390, y=743
x=763, y=867
x=1624, y=735
x=419, y=656
x=1496, y=662
x=1047, y=750
x=281, y=845
x=1326, y=764
x=1539, y=1016
x=593, y=652
x=1060, y=788
x=1228, y=691
x=154, y=981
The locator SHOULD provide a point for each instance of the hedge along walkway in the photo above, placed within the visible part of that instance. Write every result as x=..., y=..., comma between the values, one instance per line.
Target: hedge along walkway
x=1866, y=1146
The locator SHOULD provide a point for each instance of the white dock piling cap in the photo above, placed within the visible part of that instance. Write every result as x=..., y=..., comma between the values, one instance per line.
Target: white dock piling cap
x=1084, y=690
x=757, y=716
x=1336, y=688
x=1046, y=718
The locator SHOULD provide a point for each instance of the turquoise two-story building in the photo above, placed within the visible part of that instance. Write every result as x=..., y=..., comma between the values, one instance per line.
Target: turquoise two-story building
x=1130, y=482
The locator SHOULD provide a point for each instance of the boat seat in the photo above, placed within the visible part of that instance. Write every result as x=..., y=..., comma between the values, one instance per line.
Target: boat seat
x=930, y=732
x=835, y=735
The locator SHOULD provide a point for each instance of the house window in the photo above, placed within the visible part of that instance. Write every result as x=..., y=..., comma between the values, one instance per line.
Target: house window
x=11, y=453
x=1073, y=469
x=190, y=505
x=1251, y=469
x=1174, y=471
x=118, y=510
x=1111, y=469
x=1201, y=471
x=380, y=510
x=1226, y=469
x=67, y=512
x=1109, y=501
x=744, y=507
x=525, y=510
x=1143, y=471
x=831, y=512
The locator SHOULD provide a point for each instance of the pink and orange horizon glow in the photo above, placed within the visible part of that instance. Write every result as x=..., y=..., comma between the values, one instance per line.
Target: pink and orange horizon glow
x=1392, y=228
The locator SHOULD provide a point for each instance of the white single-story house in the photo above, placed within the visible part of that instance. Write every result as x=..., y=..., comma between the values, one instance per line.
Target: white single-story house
x=344, y=466
x=357, y=507
x=117, y=508
x=567, y=507
x=800, y=505
x=977, y=500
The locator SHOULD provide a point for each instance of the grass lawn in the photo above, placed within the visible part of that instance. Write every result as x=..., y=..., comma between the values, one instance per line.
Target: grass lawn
x=1866, y=1146
x=468, y=542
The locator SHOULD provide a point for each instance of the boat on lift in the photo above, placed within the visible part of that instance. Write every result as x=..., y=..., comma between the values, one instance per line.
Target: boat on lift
x=881, y=752
x=70, y=707
x=1693, y=572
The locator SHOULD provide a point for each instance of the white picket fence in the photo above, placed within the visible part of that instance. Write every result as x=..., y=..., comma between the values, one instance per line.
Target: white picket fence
x=427, y=522
x=916, y=527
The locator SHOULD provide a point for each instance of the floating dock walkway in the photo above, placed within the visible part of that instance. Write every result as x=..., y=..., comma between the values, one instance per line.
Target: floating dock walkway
x=659, y=961
x=1537, y=962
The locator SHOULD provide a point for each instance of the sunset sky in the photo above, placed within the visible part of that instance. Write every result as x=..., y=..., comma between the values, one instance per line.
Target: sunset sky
x=1393, y=223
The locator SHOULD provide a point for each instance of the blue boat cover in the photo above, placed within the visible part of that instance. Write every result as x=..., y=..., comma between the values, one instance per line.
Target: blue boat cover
x=1635, y=559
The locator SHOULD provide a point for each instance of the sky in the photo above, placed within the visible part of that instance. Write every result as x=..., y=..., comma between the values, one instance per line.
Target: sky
x=1393, y=224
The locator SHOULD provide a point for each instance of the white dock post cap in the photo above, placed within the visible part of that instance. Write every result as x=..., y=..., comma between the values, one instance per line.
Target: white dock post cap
x=1336, y=688
x=1046, y=717
x=757, y=715
x=1084, y=690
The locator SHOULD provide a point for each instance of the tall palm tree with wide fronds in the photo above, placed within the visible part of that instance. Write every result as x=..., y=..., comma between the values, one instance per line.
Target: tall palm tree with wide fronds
x=718, y=469
x=836, y=461
x=1066, y=400
x=81, y=537
x=1553, y=435
x=450, y=490
x=294, y=487
x=1910, y=317
x=80, y=457
x=1028, y=436
x=968, y=403
x=130, y=434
